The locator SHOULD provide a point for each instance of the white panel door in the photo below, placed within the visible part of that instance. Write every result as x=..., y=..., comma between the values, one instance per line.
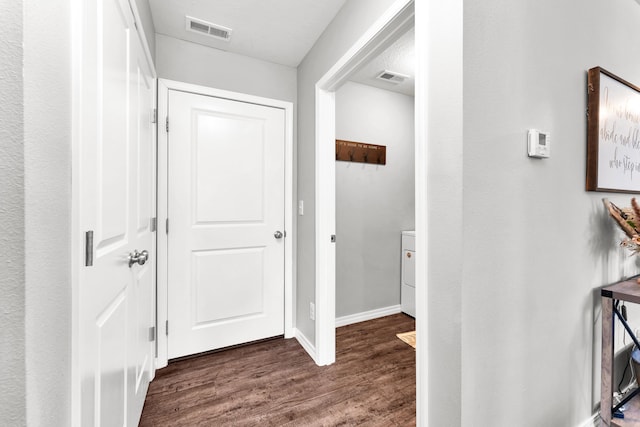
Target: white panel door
x=226, y=222
x=115, y=305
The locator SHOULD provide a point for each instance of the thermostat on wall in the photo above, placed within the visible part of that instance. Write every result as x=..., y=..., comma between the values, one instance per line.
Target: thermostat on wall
x=539, y=144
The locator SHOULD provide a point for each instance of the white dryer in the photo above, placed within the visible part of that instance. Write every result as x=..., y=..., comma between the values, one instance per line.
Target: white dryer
x=408, y=274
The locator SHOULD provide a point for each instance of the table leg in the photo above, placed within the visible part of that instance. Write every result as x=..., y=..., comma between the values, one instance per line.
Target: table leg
x=606, y=380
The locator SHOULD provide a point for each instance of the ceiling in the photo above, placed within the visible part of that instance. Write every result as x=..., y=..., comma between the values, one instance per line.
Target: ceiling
x=278, y=31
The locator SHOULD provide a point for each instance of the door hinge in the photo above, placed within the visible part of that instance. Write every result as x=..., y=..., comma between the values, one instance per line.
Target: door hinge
x=166, y=327
x=152, y=333
x=166, y=225
x=154, y=115
x=154, y=224
x=88, y=248
x=167, y=124
x=333, y=238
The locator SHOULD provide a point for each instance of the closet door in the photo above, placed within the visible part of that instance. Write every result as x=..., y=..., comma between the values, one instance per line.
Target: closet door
x=226, y=214
x=115, y=303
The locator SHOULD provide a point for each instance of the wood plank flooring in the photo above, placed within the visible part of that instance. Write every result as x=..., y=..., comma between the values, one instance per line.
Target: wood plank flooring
x=275, y=383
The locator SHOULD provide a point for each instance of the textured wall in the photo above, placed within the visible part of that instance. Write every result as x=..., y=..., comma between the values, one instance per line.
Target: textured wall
x=12, y=299
x=47, y=164
x=373, y=203
x=537, y=246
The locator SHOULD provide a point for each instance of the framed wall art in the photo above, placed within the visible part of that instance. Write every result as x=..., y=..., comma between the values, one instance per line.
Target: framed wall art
x=613, y=133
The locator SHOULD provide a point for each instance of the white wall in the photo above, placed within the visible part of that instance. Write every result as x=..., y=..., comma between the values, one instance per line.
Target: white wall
x=374, y=203
x=201, y=65
x=536, y=246
x=12, y=300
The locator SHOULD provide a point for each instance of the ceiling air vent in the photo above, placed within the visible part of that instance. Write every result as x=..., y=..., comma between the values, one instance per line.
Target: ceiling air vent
x=207, y=28
x=392, y=77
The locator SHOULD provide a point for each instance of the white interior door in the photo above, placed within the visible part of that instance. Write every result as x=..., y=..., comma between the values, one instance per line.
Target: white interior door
x=116, y=202
x=226, y=222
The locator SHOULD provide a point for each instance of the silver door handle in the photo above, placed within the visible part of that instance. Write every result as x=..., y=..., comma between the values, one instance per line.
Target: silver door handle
x=138, y=257
x=278, y=234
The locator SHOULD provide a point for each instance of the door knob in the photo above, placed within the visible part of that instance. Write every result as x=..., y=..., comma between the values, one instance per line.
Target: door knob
x=278, y=234
x=138, y=257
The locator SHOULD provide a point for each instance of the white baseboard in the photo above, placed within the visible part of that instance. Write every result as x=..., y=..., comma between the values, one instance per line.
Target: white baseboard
x=306, y=344
x=343, y=321
x=593, y=421
x=367, y=315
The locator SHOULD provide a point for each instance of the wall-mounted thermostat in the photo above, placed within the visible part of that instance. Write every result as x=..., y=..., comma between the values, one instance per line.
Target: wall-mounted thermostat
x=538, y=144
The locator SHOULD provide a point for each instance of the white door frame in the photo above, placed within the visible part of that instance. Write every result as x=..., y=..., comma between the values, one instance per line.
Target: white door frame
x=164, y=86
x=396, y=20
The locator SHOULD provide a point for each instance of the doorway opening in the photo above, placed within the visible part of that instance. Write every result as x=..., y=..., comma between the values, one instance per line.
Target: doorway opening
x=397, y=20
x=375, y=187
x=389, y=27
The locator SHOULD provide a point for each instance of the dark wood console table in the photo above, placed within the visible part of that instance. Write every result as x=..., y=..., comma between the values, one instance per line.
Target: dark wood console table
x=629, y=291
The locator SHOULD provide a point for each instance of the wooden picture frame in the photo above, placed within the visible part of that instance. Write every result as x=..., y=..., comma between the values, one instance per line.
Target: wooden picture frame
x=613, y=133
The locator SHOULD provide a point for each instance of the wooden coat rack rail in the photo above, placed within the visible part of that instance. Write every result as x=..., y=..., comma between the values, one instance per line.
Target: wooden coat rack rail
x=351, y=151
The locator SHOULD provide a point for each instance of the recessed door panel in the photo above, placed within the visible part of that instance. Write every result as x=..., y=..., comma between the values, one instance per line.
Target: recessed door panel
x=144, y=141
x=114, y=74
x=228, y=285
x=143, y=315
x=111, y=379
x=229, y=160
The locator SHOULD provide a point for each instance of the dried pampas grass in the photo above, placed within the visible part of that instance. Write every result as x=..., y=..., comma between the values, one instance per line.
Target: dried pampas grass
x=628, y=219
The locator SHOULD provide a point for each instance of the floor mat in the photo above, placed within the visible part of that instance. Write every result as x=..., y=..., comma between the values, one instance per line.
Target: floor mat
x=409, y=338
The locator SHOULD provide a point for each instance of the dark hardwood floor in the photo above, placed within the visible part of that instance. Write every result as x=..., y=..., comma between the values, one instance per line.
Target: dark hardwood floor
x=275, y=383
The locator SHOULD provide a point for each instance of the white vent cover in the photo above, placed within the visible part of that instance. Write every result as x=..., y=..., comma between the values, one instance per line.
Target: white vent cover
x=392, y=77
x=207, y=28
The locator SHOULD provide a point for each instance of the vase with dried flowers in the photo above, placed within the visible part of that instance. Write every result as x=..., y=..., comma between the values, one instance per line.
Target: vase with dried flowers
x=628, y=219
